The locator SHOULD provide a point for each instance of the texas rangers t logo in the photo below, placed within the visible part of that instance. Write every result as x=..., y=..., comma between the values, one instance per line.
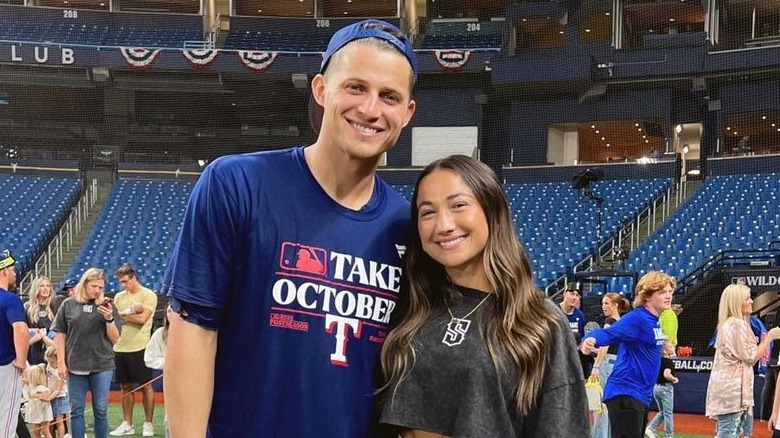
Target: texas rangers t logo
x=456, y=332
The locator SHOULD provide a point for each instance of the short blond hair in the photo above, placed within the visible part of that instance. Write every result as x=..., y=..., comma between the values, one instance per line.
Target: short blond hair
x=649, y=284
x=91, y=274
x=731, y=302
x=50, y=352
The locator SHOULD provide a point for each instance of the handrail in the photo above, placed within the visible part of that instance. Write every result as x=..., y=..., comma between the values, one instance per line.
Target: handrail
x=198, y=44
x=718, y=259
x=63, y=239
x=630, y=229
x=290, y=52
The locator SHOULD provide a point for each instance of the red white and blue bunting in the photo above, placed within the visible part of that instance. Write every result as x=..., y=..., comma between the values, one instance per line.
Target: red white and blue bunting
x=200, y=58
x=139, y=58
x=257, y=61
x=452, y=60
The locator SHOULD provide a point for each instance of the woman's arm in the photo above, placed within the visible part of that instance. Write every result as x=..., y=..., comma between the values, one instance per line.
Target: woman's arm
x=668, y=376
x=599, y=358
x=154, y=355
x=112, y=331
x=62, y=369
x=775, y=405
x=771, y=335
x=597, y=362
x=56, y=390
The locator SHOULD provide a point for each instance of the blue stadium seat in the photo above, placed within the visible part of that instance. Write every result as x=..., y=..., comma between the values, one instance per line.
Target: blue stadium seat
x=40, y=205
x=138, y=225
x=727, y=212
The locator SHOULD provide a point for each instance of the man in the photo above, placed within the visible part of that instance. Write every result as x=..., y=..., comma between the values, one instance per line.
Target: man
x=13, y=347
x=288, y=264
x=570, y=305
x=742, y=146
x=654, y=154
x=66, y=291
x=136, y=305
x=669, y=323
x=629, y=390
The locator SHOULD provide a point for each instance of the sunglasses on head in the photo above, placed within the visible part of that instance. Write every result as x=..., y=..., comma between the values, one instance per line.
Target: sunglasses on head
x=6, y=259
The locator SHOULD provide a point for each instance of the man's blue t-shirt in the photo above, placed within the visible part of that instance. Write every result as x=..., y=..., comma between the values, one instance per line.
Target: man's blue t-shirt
x=300, y=290
x=639, y=357
x=11, y=311
x=576, y=323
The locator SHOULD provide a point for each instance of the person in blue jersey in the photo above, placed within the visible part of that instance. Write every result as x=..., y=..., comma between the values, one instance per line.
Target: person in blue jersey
x=288, y=263
x=629, y=390
x=14, y=343
x=476, y=350
x=570, y=305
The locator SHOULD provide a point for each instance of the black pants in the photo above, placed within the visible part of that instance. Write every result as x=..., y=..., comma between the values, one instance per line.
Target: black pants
x=776, y=433
x=627, y=417
x=587, y=364
x=21, y=428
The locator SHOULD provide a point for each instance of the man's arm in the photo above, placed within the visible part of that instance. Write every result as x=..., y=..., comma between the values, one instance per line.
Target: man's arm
x=189, y=377
x=135, y=318
x=21, y=344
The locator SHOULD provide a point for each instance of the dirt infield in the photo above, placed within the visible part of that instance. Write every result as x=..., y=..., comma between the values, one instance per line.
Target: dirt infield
x=683, y=423
x=699, y=424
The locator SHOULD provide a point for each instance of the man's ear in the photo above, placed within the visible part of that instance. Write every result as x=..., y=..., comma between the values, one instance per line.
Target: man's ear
x=410, y=108
x=318, y=89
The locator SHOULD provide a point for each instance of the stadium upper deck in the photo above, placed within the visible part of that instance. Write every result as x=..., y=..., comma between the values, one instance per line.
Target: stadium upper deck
x=534, y=79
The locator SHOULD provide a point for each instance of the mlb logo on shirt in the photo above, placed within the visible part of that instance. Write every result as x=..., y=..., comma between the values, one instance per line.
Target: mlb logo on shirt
x=303, y=258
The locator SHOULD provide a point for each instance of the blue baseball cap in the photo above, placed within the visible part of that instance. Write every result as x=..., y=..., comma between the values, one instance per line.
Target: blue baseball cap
x=70, y=283
x=356, y=31
x=6, y=259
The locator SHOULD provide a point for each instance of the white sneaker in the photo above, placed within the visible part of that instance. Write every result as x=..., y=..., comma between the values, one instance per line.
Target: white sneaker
x=649, y=433
x=148, y=429
x=124, y=429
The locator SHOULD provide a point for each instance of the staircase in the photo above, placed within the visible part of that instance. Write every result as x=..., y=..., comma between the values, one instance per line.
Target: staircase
x=667, y=209
x=58, y=271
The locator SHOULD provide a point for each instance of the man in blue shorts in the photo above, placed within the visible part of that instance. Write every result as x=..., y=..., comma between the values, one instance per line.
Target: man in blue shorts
x=13, y=347
x=288, y=264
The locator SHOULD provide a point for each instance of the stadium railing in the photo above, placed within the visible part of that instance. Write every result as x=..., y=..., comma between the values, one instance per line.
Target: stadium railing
x=63, y=240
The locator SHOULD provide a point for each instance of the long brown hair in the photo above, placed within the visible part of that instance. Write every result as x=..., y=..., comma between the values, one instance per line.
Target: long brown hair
x=519, y=324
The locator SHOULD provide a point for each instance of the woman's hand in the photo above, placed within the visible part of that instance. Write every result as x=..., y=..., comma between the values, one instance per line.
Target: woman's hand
x=107, y=310
x=62, y=369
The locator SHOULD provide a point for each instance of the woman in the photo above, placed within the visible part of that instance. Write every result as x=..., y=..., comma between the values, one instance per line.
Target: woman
x=40, y=314
x=613, y=305
x=478, y=351
x=730, y=389
x=87, y=328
